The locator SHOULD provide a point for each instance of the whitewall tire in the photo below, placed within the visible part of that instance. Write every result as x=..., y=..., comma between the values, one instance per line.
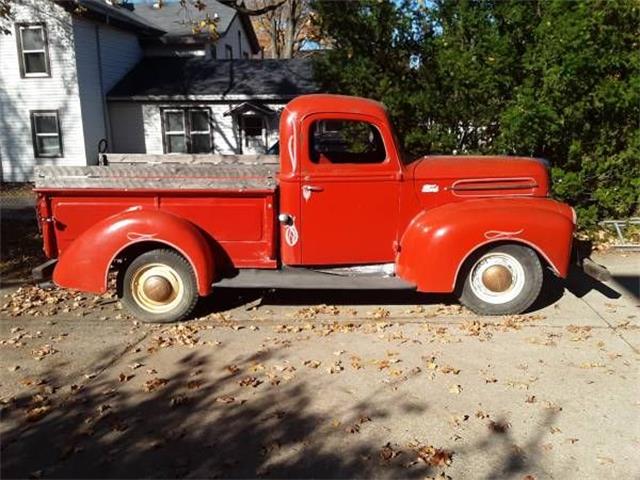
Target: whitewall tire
x=502, y=280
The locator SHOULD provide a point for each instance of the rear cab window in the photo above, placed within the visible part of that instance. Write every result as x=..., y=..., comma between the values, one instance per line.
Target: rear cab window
x=345, y=142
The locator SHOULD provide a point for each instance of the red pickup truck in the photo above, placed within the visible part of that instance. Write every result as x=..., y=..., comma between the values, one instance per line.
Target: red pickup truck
x=342, y=209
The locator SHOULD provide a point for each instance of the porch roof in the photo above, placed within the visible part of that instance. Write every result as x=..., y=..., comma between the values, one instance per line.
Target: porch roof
x=245, y=107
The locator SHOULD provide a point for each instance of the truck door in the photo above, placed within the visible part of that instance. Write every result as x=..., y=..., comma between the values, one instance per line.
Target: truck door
x=350, y=181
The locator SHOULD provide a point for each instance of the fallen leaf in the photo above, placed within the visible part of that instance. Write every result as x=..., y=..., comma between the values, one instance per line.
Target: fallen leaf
x=178, y=400
x=387, y=453
x=499, y=426
x=605, y=460
x=435, y=457
x=154, y=384
x=249, y=382
x=455, y=389
x=449, y=369
x=36, y=413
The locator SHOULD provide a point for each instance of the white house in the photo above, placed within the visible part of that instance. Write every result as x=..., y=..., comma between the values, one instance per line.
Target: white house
x=202, y=105
x=64, y=56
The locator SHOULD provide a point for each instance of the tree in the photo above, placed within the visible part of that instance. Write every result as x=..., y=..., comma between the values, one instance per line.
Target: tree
x=285, y=29
x=545, y=78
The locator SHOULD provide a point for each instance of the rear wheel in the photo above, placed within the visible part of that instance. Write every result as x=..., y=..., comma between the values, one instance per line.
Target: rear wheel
x=504, y=280
x=159, y=286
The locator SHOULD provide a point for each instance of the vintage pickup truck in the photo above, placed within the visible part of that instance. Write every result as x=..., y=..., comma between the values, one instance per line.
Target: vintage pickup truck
x=343, y=208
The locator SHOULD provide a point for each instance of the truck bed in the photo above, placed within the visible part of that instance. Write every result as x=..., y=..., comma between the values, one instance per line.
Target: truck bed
x=210, y=177
x=231, y=203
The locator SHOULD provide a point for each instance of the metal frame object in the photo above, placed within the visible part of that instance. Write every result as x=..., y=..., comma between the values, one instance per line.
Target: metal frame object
x=619, y=226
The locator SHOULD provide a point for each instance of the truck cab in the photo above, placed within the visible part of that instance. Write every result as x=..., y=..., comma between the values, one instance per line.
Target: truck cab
x=345, y=209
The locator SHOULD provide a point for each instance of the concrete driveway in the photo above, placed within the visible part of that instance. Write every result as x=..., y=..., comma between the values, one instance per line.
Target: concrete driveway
x=325, y=384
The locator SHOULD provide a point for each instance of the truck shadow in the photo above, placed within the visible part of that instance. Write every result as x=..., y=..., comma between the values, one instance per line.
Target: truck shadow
x=228, y=298
x=112, y=428
x=577, y=282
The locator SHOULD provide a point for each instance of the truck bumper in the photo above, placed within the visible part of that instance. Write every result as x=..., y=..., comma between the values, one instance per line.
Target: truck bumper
x=43, y=272
x=582, y=259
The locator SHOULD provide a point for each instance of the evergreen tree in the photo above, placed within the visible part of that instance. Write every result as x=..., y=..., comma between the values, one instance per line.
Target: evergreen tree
x=547, y=78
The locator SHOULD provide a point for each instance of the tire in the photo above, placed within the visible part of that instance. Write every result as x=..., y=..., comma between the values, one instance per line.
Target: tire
x=159, y=286
x=502, y=280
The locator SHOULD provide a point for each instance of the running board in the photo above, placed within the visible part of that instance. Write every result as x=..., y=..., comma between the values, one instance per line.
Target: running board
x=303, y=278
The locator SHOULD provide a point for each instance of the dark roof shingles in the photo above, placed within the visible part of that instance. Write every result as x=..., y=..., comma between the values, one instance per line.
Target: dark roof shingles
x=167, y=77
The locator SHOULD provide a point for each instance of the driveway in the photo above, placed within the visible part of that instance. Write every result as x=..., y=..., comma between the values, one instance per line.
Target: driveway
x=325, y=384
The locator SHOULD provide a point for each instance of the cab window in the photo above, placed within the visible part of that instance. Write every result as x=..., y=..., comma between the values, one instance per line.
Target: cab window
x=346, y=141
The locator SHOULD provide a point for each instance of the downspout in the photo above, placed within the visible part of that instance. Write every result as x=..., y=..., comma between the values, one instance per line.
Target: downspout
x=103, y=97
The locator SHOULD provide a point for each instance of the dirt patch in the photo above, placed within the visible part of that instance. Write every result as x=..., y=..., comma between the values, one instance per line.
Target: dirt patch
x=20, y=249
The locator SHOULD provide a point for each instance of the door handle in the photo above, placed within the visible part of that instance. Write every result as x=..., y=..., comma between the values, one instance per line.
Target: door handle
x=312, y=188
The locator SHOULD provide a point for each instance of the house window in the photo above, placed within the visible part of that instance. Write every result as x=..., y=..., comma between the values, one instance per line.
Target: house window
x=214, y=51
x=33, y=50
x=228, y=52
x=252, y=126
x=45, y=128
x=187, y=130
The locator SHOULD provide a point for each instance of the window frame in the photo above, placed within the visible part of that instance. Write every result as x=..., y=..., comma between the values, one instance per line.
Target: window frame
x=207, y=132
x=228, y=52
x=187, y=132
x=343, y=119
x=35, y=134
x=21, y=51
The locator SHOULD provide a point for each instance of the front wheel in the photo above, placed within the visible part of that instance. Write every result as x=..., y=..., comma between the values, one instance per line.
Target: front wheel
x=159, y=286
x=504, y=280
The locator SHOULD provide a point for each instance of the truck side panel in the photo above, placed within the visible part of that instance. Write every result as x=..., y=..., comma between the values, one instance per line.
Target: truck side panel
x=241, y=226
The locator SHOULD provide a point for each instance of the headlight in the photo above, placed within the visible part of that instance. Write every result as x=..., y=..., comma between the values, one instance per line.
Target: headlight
x=574, y=216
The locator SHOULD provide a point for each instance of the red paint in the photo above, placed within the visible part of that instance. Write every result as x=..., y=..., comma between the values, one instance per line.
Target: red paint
x=437, y=242
x=84, y=265
x=427, y=216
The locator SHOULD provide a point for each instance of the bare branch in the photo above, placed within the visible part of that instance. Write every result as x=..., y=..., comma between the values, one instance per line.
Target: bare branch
x=240, y=6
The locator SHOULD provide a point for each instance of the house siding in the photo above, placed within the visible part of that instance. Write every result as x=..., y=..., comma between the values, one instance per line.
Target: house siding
x=226, y=138
x=18, y=96
x=103, y=55
x=230, y=38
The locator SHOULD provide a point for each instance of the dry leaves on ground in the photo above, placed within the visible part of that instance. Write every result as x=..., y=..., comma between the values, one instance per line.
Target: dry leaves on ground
x=35, y=301
x=154, y=384
x=579, y=333
x=44, y=351
x=432, y=456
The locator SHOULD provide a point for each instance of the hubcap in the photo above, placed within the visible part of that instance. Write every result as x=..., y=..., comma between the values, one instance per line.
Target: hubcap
x=157, y=288
x=497, y=278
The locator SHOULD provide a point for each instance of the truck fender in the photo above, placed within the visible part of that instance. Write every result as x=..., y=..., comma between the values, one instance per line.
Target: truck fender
x=84, y=264
x=437, y=242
